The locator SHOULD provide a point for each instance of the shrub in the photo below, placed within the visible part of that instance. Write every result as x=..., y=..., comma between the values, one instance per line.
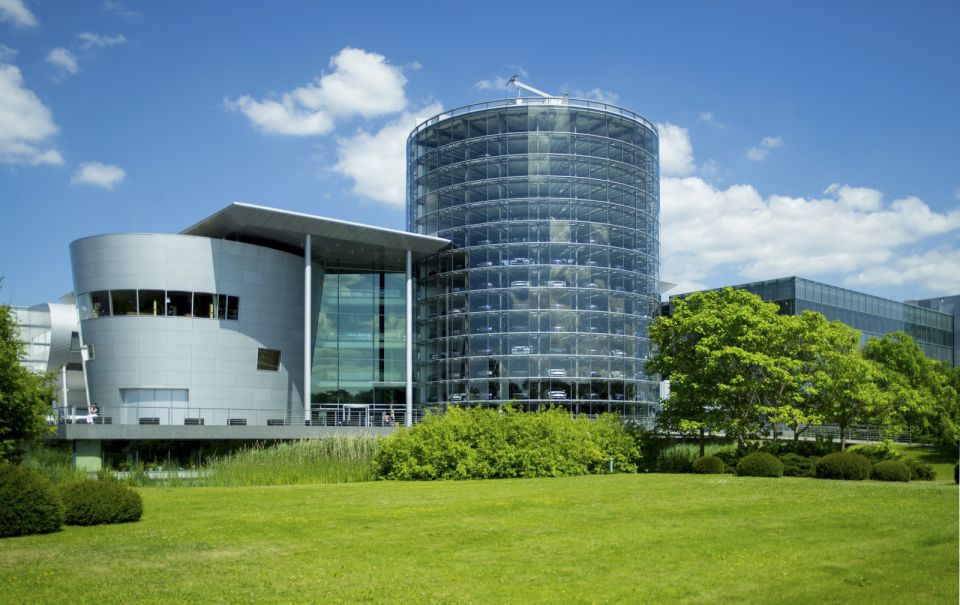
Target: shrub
x=100, y=502
x=481, y=443
x=28, y=503
x=843, y=465
x=919, y=471
x=709, y=465
x=760, y=464
x=795, y=465
x=890, y=470
x=877, y=452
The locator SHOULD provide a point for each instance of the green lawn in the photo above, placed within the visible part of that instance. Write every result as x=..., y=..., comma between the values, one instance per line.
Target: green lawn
x=619, y=538
x=940, y=457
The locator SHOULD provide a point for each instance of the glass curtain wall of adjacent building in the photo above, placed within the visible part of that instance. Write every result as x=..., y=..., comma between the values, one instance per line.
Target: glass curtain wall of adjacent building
x=872, y=315
x=358, y=363
x=553, y=278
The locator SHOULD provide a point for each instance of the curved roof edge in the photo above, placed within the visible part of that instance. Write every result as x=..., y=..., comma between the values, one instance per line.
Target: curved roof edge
x=335, y=242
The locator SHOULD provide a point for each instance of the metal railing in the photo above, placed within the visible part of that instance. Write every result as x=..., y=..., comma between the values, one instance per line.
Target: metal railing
x=358, y=415
x=547, y=101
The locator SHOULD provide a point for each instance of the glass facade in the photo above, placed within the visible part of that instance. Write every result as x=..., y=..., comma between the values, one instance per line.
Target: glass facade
x=546, y=295
x=359, y=356
x=873, y=316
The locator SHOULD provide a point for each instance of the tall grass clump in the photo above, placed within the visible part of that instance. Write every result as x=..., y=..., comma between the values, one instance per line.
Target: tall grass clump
x=488, y=443
x=336, y=459
x=54, y=463
x=679, y=458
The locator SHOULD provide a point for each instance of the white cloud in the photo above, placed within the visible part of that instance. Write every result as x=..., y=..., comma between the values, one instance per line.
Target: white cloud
x=500, y=82
x=597, y=94
x=63, y=59
x=761, y=151
x=935, y=270
x=360, y=84
x=707, y=231
x=17, y=13
x=676, y=151
x=376, y=162
x=91, y=40
x=105, y=176
x=25, y=122
x=495, y=83
x=7, y=53
x=118, y=8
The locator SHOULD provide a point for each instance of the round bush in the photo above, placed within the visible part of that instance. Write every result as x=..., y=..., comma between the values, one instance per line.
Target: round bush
x=890, y=470
x=708, y=465
x=760, y=464
x=919, y=471
x=795, y=465
x=99, y=502
x=843, y=465
x=28, y=503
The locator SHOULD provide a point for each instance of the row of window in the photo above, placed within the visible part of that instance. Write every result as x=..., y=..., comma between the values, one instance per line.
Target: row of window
x=519, y=189
x=554, y=145
x=542, y=166
x=158, y=303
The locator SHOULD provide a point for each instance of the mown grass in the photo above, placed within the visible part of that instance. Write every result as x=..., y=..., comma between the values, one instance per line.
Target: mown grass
x=941, y=457
x=618, y=538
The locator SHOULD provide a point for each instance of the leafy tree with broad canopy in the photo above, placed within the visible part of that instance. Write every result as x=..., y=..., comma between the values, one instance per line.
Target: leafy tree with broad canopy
x=25, y=395
x=732, y=364
x=735, y=364
x=917, y=391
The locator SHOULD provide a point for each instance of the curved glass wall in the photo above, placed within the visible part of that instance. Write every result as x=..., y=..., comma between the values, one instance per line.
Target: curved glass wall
x=553, y=278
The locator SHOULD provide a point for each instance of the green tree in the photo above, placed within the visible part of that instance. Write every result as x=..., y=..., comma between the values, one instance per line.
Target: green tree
x=845, y=382
x=25, y=396
x=730, y=362
x=917, y=391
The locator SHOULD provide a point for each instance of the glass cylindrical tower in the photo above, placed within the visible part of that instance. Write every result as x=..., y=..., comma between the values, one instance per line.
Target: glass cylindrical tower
x=545, y=297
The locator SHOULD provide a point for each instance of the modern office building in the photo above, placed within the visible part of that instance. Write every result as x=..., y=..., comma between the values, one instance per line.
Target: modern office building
x=529, y=273
x=951, y=306
x=929, y=325
x=545, y=296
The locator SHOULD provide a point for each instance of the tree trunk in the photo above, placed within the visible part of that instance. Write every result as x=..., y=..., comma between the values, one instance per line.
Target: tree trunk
x=702, y=443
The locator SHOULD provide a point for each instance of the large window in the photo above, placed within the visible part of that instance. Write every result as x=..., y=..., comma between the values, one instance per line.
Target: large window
x=158, y=303
x=268, y=360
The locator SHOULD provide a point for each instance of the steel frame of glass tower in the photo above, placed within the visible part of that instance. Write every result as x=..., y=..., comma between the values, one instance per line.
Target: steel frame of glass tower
x=546, y=295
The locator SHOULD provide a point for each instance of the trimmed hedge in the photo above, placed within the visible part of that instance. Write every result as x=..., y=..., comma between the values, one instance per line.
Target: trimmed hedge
x=919, y=471
x=760, y=464
x=100, y=502
x=844, y=465
x=890, y=470
x=28, y=503
x=709, y=465
x=795, y=465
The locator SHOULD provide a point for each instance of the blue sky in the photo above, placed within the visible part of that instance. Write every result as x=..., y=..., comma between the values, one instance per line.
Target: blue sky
x=815, y=138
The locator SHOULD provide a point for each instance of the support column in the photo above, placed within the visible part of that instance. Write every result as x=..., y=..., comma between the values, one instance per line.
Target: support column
x=307, y=328
x=63, y=387
x=88, y=455
x=409, y=348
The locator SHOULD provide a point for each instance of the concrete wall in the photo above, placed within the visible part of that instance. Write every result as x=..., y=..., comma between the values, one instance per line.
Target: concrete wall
x=215, y=360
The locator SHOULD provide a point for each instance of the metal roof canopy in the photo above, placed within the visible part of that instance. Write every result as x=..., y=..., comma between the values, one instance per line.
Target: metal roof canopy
x=335, y=243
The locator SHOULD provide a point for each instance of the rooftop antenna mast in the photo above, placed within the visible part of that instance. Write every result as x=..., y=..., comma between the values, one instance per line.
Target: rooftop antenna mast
x=521, y=86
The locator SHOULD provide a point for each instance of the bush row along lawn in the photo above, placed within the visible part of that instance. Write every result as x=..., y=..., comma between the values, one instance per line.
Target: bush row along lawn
x=618, y=538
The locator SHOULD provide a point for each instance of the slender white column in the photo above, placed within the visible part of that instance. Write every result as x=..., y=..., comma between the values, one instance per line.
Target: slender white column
x=307, y=328
x=409, y=414
x=63, y=377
